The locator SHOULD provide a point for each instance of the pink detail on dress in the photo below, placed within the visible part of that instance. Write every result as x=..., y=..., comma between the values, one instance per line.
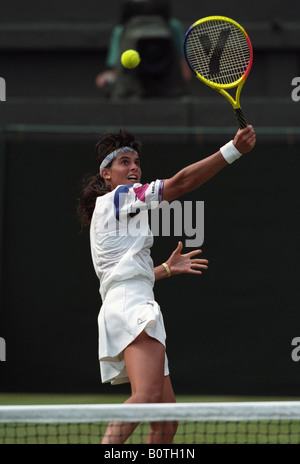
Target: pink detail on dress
x=141, y=191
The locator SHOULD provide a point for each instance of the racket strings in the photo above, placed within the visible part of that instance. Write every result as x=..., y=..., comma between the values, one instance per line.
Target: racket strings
x=218, y=51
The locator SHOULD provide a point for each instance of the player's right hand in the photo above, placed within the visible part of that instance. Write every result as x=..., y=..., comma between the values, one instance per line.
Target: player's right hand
x=245, y=139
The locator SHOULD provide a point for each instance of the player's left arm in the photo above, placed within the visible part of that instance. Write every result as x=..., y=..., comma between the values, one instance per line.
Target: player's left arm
x=178, y=263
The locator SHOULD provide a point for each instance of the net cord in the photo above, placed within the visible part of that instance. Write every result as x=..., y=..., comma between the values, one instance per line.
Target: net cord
x=229, y=411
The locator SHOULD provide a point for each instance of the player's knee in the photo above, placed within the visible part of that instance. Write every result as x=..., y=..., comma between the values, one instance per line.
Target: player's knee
x=172, y=427
x=153, y=396
x=166, y=429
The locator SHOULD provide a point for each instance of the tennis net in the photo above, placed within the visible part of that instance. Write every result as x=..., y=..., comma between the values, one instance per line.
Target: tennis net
x=198, y=423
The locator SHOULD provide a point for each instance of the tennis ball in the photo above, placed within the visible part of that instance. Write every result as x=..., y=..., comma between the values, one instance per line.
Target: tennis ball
x=130, y=59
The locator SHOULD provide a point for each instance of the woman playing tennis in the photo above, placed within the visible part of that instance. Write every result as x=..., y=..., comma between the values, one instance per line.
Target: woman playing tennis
x=132, y=338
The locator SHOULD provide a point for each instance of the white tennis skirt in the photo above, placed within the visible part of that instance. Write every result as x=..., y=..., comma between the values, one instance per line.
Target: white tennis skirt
x=128, y=309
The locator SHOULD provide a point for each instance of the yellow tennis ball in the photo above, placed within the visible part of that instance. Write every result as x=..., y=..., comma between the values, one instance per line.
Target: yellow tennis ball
x=130, y=59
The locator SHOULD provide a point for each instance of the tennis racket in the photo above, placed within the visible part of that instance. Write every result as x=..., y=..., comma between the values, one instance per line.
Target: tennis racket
x=219, y=52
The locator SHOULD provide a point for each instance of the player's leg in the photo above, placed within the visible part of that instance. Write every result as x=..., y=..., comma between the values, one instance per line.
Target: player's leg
x=144, y=360
x=149, y=384
x=163, y=432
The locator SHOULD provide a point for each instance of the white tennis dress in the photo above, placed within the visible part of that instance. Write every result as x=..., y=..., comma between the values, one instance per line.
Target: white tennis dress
x=120, y=245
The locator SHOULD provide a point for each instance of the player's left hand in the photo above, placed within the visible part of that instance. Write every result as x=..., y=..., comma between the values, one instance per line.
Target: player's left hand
x=186, y=264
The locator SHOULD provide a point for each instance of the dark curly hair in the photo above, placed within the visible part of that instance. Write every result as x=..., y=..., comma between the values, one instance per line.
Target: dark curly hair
x=94, y=185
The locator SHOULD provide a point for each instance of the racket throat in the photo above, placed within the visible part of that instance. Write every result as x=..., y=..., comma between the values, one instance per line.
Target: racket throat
x=226, y=94
x=236, y=105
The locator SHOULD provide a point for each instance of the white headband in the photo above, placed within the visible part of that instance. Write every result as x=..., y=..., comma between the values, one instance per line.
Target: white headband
x=109, y=158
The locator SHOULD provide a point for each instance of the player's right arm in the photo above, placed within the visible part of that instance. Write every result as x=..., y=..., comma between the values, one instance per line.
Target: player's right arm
x=193, y=176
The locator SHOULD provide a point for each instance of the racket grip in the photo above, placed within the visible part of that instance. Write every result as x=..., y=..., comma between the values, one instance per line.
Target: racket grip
x=240, y=118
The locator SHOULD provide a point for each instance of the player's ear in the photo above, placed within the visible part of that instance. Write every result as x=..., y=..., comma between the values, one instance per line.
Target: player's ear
x=106, y=174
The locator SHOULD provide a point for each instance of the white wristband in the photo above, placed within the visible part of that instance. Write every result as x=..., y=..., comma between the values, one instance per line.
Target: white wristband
x=229, y=152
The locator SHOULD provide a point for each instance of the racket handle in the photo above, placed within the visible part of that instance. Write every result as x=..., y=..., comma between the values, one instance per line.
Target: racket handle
x=240, y=118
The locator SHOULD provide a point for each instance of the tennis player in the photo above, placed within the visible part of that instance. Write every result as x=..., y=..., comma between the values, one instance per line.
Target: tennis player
x=132, y=338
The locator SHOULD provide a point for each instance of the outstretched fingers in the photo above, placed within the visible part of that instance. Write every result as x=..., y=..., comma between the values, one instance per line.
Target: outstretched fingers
x=197, y=264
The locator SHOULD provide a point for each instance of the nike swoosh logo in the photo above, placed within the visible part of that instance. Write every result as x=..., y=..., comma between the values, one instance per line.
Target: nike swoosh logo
x=140, y=321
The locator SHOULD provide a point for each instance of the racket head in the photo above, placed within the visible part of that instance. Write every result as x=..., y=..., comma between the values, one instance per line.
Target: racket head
x=219, y=51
